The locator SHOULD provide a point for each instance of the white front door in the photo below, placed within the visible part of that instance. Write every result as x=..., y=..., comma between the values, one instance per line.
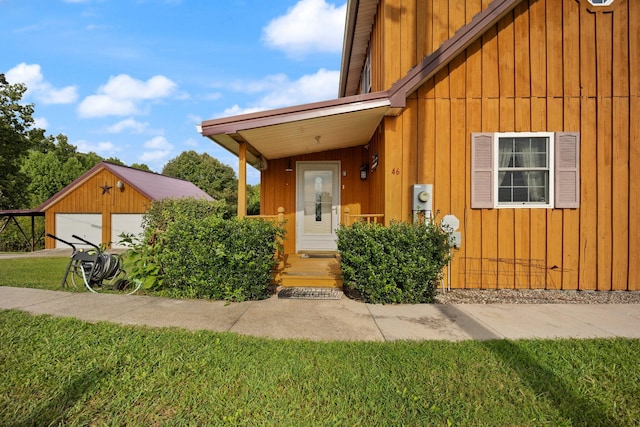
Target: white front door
x=317, y=205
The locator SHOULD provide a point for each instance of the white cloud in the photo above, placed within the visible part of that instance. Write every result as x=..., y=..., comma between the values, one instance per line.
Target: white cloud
x=154, y=156
x=158, y=143
x=42, y=90
x=309, y=26
x=158, y=149
x=105, y=149
x=104, y=105
x=126, y=87
x=128, y=124
x=309, y=88
x=122, y=96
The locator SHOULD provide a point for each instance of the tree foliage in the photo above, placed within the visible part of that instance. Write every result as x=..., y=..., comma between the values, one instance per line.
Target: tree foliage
x=16, y=120
x=253, y=199
x=209, y=174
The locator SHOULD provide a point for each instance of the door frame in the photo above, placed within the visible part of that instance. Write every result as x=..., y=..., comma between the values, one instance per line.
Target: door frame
x=328, y=165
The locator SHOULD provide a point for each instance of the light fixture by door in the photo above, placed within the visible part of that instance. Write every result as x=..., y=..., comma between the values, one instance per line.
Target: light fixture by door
x=289, y=167
x=363, y=170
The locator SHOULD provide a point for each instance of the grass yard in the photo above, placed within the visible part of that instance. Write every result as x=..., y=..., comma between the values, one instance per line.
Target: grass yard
x=41, y=273
x=67, y=372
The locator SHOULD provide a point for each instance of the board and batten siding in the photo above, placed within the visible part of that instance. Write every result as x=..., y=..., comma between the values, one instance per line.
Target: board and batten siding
x=88, y=197
x=548, y=66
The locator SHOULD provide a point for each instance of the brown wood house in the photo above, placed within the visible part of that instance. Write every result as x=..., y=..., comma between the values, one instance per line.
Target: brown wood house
x=519, y=117
x=108, y=200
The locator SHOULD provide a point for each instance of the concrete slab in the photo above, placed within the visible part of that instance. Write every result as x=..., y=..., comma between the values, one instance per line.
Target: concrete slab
x=216, y=316
x=344, y=320
x=22, y=298
x=523, y=321
x=89, y=306
x=427, y=322
x=621, y=321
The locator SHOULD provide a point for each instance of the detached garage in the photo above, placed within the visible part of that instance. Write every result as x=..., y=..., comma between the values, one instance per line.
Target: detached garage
x=109, y=200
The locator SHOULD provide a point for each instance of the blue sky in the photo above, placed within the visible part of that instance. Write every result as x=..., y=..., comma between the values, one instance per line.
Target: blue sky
x=131, y=79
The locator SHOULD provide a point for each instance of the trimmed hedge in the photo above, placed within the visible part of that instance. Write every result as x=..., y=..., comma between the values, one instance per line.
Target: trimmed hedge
x=220, y=259
x=401, y=263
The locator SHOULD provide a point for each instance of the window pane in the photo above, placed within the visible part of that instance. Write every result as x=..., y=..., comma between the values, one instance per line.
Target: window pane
x=504, y=194
x=538, y=186
x=520, y=194
x=523, y=170
x=539, y=145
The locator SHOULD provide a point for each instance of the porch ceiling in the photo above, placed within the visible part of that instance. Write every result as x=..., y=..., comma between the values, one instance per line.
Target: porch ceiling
x=310, y=128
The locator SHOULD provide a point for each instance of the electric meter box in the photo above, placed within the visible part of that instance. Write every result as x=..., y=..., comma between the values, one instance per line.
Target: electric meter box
x=422, y=197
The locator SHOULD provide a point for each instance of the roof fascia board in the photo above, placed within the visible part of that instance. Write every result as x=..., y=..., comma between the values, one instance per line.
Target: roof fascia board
x=347, y=44
x=233, y=125
x=451, y=48
x=360, y=19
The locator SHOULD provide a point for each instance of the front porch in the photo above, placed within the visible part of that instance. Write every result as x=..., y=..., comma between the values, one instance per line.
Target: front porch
x=312, y=269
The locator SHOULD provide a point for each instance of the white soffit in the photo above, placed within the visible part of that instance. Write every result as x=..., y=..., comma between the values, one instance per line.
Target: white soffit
x=301, y=136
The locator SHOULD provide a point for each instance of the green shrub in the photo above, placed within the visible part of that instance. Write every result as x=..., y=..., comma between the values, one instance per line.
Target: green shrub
x=216, y=258
x=401, y=263
x=163, y=212
x=141, y=260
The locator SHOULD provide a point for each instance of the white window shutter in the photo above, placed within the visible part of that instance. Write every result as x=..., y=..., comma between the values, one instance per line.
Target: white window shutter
x=567, y=170
x=482, y=171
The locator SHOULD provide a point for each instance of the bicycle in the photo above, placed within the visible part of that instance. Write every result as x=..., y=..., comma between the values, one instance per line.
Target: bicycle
x=96, y=269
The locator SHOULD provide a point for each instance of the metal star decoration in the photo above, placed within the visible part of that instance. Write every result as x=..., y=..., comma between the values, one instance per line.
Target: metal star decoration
x=106, y=189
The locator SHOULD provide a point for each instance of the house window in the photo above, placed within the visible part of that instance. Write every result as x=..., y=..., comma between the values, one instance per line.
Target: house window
x=523, y=173
x=365, y=79
x=528, y=170
x=601, y=2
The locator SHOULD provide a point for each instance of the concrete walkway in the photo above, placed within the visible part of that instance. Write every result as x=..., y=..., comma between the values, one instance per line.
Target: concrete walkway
x=343, y=319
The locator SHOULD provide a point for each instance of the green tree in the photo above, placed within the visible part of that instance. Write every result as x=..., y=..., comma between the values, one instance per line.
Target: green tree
x=141, y=166
x=253, y=199
x=89, y=159
x=208, y=173
x=16, y=121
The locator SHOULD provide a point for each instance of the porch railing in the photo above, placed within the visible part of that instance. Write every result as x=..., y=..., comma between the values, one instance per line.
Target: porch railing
x=350, y=218
x=279, y=218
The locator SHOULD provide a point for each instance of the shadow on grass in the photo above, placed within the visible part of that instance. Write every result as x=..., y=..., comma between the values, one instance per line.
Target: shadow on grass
x=573, y=407
x=54, y=410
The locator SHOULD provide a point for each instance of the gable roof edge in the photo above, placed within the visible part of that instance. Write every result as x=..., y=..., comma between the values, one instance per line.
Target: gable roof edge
x=70, y=187
x=448, y=50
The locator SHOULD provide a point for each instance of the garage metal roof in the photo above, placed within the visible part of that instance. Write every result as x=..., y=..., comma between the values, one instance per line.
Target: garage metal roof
x=152, y=185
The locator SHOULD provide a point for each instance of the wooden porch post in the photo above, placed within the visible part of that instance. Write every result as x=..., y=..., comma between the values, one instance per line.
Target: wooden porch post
x=242, y=180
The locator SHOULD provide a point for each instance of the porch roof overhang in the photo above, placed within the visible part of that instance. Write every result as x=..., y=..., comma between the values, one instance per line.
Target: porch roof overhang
x=309, y=128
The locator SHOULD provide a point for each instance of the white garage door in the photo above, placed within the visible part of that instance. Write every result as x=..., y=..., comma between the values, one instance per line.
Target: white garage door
x=124, y=223
x=87, y=226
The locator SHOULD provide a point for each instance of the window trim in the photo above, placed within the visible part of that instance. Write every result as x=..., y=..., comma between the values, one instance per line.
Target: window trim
x=566, y=169
x=550, y=166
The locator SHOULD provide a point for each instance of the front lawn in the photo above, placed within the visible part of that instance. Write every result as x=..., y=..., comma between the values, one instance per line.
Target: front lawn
x=41, y=273
x=67, y=372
